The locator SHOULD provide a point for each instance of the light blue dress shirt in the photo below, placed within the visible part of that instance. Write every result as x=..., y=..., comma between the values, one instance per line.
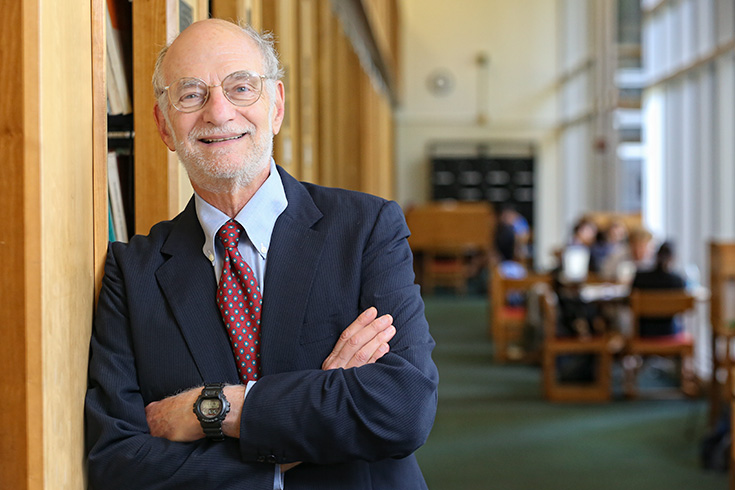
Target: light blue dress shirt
x=258, y=218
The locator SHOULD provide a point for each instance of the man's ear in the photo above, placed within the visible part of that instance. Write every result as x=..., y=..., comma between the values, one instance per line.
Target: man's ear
x=163, y=128
x=279, y=108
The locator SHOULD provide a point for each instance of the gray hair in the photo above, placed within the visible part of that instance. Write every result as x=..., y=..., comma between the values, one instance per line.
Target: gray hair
x=265, y=42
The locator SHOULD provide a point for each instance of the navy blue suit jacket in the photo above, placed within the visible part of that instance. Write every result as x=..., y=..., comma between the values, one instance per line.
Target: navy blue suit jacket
x=158, y=331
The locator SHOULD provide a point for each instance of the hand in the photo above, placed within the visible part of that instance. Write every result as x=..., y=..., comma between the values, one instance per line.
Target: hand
x=363, y=342
x=173, y=418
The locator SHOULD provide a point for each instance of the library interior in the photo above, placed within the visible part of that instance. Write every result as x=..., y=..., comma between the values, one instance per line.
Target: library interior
x=565, y=169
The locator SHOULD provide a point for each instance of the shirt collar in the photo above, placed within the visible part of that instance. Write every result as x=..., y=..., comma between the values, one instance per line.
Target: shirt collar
x=258, y=217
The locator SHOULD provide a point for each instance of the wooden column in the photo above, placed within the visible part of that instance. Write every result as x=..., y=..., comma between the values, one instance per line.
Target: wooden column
x=21, y=446
x=282, y=18
x=308, y=89
x=47, y=239
x=347, y=117
x=156, y=169
x=327, y=131
x=247, y=11
x=161, y=185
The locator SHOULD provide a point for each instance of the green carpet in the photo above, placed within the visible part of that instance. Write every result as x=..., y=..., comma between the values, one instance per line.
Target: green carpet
x=493, y=430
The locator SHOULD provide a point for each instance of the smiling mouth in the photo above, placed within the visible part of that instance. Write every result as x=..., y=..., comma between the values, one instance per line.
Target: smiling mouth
x=219, y=140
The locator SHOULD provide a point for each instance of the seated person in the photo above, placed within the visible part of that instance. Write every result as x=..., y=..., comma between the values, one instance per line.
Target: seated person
x=508, y=265
x=622, y=262
x=584, y=232
x=507, y=251
x=608, y=240
x=660, y=277
x=509, y=217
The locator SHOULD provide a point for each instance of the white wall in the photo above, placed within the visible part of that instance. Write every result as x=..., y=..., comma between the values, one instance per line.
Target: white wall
x=517, y=90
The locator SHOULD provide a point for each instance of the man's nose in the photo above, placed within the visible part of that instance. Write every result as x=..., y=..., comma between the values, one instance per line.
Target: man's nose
x=218, y=109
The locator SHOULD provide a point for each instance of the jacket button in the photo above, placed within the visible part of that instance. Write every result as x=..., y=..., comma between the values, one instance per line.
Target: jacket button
x=261, y=459
x=271, y=459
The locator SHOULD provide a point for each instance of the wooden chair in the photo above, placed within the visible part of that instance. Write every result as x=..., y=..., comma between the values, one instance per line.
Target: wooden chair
x=722, y=275
x=652, y=303
x=555, y=346
x=508, y=321
x=452, y=241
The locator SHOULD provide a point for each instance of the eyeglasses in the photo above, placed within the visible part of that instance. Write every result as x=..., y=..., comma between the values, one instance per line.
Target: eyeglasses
x=242, y=88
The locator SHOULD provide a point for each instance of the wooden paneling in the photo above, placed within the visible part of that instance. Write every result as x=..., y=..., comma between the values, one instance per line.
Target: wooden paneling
x=347, y=115
x=377, y=166
x=99, y=141
x=308, y=89
x=66, y=129
x=382, y=16
x=47, y=241
x=232, y=10
x=161, y=185
x=248, y=11
x=282, y=17
x=17, y=123
x=327, y=128
x=154, y=25
x=254, y=13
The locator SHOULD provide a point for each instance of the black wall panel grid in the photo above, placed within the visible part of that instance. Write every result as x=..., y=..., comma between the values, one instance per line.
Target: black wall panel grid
x=501, y=174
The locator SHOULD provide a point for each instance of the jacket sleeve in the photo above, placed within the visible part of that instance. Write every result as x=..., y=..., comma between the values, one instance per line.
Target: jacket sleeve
x=377, y=411
x=121, y=452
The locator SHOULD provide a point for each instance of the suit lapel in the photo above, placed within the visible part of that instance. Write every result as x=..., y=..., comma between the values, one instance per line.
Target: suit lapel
x=293, y=257
x=188, y=283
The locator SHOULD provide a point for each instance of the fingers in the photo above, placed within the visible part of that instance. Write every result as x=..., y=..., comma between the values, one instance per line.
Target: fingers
x=363, y=342
x=374, y=349
x=367, y=316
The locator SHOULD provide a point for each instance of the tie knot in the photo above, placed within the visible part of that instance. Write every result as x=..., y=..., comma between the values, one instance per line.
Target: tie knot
x=230, y=233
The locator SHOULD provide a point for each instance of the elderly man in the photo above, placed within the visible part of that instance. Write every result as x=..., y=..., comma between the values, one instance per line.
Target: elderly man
x=239, y=345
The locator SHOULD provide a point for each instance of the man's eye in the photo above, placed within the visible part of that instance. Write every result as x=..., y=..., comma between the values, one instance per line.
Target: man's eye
x=242, y=88
x=191, y=96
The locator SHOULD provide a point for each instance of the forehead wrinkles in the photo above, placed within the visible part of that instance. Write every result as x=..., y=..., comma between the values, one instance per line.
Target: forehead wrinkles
x=211, y=57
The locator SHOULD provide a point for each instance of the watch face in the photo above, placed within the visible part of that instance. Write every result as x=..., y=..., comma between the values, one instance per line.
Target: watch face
x=210, y=407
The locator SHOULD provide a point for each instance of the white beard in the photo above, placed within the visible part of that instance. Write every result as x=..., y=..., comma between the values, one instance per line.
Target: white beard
x=220, y=170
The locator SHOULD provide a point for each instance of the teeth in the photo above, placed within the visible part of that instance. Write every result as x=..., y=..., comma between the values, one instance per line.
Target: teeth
x=221, y=139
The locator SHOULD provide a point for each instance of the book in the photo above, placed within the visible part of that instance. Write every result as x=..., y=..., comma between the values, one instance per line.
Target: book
x=118, y=93
x=117, y=208
x=110, y=226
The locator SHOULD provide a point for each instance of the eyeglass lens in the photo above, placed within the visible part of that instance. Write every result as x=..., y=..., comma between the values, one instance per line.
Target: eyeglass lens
x=242, y=88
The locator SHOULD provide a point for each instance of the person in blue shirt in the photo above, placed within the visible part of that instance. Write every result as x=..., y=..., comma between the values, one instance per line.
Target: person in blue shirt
x=346, y=389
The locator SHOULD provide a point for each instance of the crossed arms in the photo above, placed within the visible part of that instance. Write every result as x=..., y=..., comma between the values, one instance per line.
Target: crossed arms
x=363, y=342
x=365, y=403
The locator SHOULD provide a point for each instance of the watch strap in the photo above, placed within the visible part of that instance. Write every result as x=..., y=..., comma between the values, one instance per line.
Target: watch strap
x=213, y=430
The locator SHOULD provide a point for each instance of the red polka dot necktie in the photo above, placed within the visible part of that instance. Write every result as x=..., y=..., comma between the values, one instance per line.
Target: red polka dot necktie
x=239, y=301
